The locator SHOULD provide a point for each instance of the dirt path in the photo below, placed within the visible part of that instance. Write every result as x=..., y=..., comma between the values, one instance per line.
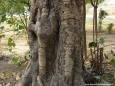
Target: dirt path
x=6, y=67
x=9, y=73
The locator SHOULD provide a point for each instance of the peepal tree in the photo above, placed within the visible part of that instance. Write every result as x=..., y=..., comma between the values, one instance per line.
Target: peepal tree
x=55, y=33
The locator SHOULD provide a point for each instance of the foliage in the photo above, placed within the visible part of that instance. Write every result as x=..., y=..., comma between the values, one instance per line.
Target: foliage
x=112, y=52
x=97, y=52
x=109, y=28
x=15, y=13
x=92, y=44
x=106, y=56
x=97, y=46
x=100, y=78
x=99, y=1
x=102, y=15
x=15, y=60
x=11, y=44
x=101, y=40
x=11, y=7
x=105, y=78
x=97, y=49
x=2, y=35
x=112, y=62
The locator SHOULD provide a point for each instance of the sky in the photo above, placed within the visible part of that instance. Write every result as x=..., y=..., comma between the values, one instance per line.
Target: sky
x=109, y=2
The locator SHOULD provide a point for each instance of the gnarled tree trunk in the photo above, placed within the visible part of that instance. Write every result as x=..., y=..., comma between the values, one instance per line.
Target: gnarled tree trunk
x=55, y=43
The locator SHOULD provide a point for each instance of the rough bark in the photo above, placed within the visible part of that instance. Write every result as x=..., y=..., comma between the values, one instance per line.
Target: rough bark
x=55, y=43
x=83, y=42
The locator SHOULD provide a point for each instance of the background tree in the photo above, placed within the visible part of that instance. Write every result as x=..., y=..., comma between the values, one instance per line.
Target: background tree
x=15, y=14
x=102, y=15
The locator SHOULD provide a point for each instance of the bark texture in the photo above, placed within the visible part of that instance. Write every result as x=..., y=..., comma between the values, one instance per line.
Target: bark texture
x=55, y=38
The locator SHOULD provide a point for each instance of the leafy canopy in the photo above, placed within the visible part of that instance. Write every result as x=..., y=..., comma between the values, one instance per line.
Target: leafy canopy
x=12, y=7
x=99, y=1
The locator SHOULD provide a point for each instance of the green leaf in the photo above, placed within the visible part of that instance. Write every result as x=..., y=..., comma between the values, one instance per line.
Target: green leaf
x=11, y=42
x=92, y=44
x=102, y=49
x=112, y=80
x=99, y=1
x=101, y=40
x=2, y=36
x=2, y=12
x=21, y=27
x=106, y=56
x=87, y=1
x=15, y=60
x=112, y=52
x=112, y=62
x=10, y=21
x=3, y=18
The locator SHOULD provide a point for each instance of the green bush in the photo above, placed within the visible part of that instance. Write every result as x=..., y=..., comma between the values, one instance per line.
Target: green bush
x=109, y=28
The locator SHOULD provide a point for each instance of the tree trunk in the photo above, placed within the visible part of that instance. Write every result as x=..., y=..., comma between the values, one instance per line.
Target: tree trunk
x=55, y=43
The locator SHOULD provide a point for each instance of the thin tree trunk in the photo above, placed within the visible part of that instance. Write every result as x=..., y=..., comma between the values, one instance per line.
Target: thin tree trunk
x=55, y=43
x=83, y=42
